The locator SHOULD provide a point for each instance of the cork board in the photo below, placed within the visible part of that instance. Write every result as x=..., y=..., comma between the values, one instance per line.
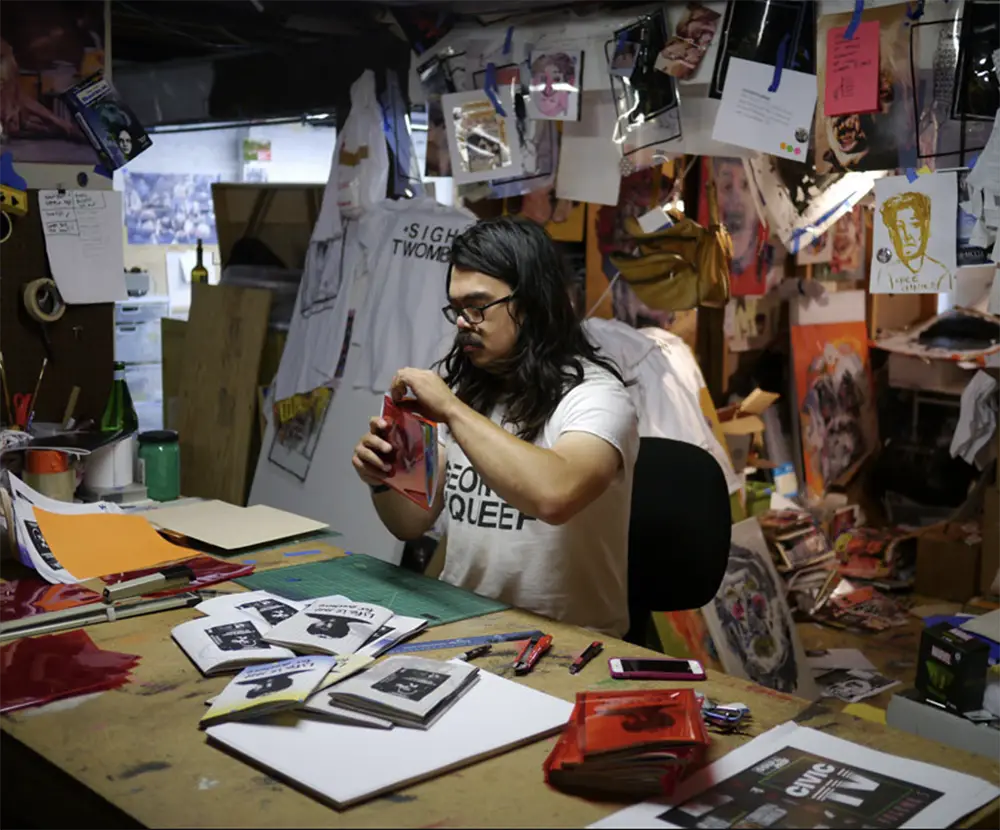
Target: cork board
x=217, y=398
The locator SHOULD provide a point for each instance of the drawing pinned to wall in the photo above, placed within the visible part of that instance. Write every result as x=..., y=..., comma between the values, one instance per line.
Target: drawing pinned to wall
x=835, y=401
x=555, y=85
x=848, y=243
x=750, y=622
x=818, y=252
x=47, y=48
x=686, y=48
x=752, y=322
x=878, y=140
x=914, y=244
x=169, y=208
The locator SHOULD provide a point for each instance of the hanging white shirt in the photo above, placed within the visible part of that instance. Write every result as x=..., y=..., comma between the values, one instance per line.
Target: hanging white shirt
x=407, y=244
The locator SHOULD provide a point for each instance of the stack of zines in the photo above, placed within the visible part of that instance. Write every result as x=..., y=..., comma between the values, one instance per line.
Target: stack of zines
x=630, y=744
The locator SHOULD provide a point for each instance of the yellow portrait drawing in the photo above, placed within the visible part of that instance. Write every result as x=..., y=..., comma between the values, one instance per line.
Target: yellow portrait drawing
x=907, y=218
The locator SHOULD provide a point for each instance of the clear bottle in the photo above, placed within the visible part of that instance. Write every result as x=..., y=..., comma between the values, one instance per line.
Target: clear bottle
x=199, y=273
x=119, y=412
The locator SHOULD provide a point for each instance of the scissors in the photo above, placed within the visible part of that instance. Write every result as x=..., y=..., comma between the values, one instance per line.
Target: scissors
x=22, y=408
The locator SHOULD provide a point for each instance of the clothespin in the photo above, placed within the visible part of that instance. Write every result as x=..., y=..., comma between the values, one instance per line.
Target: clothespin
x=852, y=27
x=780, y=62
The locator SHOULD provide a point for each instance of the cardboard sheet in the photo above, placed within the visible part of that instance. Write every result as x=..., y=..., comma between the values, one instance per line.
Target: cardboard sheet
x=97, y=544
x=229, y=527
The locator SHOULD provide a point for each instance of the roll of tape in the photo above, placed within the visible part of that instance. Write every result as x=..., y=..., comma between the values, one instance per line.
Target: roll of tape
x=6, y=227
x=42, y=301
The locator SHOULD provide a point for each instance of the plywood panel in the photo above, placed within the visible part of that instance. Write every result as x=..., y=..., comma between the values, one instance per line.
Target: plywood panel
x=222, y=351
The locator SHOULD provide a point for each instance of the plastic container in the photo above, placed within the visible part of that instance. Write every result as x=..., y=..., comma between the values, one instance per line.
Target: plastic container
x=48, y=472
x=160, y=463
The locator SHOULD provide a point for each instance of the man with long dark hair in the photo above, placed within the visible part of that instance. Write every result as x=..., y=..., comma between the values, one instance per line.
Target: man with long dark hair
x=540, y=438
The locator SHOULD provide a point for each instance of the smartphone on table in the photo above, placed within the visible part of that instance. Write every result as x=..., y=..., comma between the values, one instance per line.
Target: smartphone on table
x=655, y=668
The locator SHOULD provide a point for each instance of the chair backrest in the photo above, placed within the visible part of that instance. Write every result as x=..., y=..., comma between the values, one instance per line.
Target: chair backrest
x=680, y=527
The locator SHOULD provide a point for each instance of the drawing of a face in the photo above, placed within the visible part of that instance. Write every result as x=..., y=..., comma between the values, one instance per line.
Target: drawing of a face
x=849, y=133
x=907, y=218
x=748, y=609
x=125, y=142
x=553, y=78
x=738, y=213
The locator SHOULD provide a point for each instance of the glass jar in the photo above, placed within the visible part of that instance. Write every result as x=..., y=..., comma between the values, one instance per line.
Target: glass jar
x=160, y=464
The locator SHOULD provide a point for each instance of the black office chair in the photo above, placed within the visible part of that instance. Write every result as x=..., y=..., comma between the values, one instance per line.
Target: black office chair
x=679, y=531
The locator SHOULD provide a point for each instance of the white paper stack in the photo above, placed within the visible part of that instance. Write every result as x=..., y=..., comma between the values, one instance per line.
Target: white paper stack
x=395, y=631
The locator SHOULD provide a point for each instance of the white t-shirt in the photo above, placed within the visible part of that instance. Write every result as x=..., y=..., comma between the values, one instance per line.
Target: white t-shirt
x=407, y=244
x=576, y=572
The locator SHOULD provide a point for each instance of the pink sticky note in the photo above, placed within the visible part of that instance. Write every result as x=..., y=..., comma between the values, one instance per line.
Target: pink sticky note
x=852, y=70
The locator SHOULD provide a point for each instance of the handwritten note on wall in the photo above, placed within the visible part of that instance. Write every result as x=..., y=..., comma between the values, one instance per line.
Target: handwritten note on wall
x=852, y=77
x=84, y=242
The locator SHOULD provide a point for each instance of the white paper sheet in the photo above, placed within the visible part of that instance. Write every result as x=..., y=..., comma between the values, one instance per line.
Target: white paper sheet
x=589, y=160
x=988, y=625
x=776, y=122
x=977, y=417
x=915, y=229
x=840, y=658
x=844, y=781
x=85, y=244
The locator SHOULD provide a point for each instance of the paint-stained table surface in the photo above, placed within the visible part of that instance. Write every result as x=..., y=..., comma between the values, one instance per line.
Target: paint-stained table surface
x=135, y=756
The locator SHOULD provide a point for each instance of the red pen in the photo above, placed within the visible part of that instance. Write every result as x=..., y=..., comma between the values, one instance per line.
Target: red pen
x=531, y=654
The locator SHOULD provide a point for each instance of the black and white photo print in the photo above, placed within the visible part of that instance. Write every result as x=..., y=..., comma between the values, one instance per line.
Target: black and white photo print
x=236, y=636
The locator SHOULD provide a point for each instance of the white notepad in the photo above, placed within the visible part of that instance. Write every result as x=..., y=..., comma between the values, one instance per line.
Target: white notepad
x=496, y=715
x=229, y=527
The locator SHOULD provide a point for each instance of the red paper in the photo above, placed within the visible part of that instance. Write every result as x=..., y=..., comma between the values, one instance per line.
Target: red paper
x=852, y=71
x=38, y=670
x=20, y=598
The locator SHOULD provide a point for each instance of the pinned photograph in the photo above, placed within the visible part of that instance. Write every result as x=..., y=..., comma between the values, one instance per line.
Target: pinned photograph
x=482, y=142
x=555, y=86
x=625, y=55
x=915, y=234
x=683, y=53
x=848, y=242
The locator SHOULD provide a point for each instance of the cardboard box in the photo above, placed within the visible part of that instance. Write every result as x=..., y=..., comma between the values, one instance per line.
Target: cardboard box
x=741, y=424
x=990, y=562
x=909, y=712
x=948, y=562
x=951, y=667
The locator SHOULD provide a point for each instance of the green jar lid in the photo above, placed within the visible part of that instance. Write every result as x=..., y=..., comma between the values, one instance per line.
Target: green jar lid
x=158, y=436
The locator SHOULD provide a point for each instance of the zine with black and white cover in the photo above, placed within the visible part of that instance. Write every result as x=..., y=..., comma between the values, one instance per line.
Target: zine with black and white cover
x=262, y=606
x=409, y=691
x=220, y=644
x=261, y=690
x=395, y=631
x=331, y=625
x=793, y=776
x=853, y=685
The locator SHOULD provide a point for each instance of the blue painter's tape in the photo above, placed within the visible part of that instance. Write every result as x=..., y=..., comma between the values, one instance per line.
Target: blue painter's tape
x=911, y=175
x=490, y=88
x=852, y=27
x=348, y=553
x=507, y=39
x=249, y=561
x=101, y=170
x=914, y=10
x=972, y=161
x=303, y=552
x=780, y=62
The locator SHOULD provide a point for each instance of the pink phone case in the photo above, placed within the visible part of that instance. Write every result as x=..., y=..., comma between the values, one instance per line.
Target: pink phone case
x=651, y=675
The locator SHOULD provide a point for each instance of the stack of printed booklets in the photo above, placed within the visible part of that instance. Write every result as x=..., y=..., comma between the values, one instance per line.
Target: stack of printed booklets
x=629, y=744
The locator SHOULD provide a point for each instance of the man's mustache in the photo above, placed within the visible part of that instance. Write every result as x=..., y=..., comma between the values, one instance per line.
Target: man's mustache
x=466, y=338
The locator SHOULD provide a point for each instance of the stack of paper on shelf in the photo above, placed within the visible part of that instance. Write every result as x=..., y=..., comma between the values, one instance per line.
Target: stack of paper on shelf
x=496, y=715
x=263, y=690
x=220, y=644
x=330, y=625
x=409, y=691
x=628, y=744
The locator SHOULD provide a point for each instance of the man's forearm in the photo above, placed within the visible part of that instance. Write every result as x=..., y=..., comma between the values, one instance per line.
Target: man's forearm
x=401, y=517
x=529, y=478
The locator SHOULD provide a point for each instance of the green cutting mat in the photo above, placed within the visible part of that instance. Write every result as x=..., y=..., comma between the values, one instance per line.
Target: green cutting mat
x=366, y=579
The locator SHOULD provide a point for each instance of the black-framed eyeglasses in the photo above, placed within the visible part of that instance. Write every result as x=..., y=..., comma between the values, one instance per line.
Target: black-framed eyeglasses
x=474, y=314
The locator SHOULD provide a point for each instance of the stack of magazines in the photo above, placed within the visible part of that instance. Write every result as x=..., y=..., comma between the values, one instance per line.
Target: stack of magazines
x=628, y=745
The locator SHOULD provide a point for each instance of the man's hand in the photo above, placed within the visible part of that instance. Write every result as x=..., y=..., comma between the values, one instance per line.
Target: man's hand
x=371, y=453
x=434, y=399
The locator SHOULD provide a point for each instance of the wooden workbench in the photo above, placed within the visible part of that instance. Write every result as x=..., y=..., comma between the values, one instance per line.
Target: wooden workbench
x=134, y=756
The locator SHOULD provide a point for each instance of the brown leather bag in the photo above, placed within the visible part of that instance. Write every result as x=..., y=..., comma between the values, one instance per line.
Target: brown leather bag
x=680, y=267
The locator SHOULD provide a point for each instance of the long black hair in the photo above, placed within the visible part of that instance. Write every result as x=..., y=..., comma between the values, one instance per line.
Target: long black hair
x=548, y=357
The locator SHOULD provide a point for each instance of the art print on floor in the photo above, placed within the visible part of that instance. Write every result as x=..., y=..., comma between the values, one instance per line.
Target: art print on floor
x=914, y=241
x=853, y=685
x=750, y=622
x=835, y=400
x=878, y=140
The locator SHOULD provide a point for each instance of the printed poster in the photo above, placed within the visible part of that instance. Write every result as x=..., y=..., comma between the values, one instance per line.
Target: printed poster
x=835, y=400
x=46, y=48
x=881, y=140
x=170, y=208
x=915, y=231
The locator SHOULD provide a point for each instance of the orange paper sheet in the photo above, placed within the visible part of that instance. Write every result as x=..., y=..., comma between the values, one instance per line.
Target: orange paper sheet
x=97, y=544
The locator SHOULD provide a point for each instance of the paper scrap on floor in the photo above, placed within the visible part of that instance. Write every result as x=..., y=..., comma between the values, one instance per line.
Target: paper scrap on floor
x=96, y=544
x=229, y=527
x=838, y=658
x=793, y=776
x=985, y=625
x=853, y=685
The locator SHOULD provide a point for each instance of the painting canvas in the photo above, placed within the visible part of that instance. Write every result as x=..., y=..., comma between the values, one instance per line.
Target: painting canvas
x=835, y=401
x=169, y=208
x=46, y=48
x=750, y=622
x=878, y=140
x=915, y=234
